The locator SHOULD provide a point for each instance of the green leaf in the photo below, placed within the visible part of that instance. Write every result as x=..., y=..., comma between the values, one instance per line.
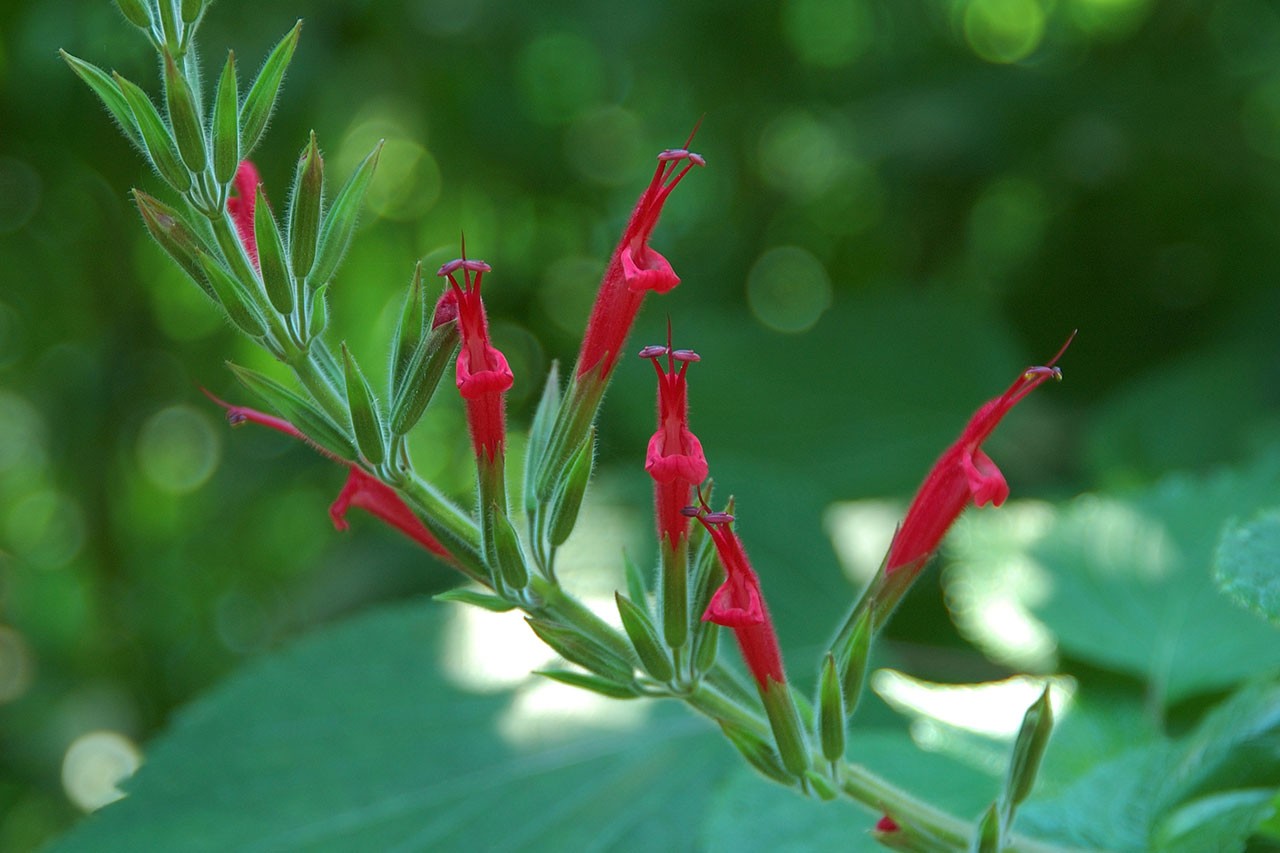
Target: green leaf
x=422, y=376
x=544, y=418
x=110, y=96
x=1247, y=565
x=340, y=219
x=356, y=739
x=594, y=683
x=298, y=411
x=366, y=422
x=1125, y=582
x=1218, y=822
x=157, y=141
x=226, y=124
x=258, y=105
x=571, y=490
x=484, y=600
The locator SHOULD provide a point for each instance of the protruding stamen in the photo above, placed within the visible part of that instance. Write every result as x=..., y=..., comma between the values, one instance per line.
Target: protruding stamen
x=685, y=355
x=717, y=518
x=463, y=264
x=653, y=351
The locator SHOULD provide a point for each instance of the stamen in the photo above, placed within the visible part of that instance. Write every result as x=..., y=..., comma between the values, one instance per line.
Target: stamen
x=718, y=518
x=654, y=350
x=685, y=355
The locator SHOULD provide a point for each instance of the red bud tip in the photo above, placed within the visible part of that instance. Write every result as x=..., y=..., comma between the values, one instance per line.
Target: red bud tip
x=887, y=824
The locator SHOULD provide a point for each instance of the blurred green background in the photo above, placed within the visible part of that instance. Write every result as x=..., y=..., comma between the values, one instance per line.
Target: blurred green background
x=904, y=204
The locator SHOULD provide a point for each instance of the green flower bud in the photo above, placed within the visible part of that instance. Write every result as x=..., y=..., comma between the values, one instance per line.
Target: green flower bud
x=184, y=116
x=304, y=209
x=233, y=297
x=226, y=125
x=136, y=13
x=409, y=331
x=831, y=713
x=506, y=549
x=365, y=420
x=568, y=497
x=988, y=838
x=788, y=735
x=759, y=754
x=1028, y=750
x=191, y=10
x=319, y=318
x=175, y=235
x=422, y=376
x=644, y=639
x=271, y=261
x=544, y=421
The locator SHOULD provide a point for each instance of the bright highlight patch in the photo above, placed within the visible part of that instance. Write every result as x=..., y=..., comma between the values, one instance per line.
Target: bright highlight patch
x=993, y=710
x=861, y=532
x=178, y=449
x=94, y=766
x=788, y=289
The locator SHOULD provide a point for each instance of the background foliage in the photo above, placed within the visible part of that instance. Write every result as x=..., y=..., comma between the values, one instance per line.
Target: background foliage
x=904, y=204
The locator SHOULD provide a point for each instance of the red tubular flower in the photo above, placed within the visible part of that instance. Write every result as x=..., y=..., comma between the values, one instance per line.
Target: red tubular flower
x=963, y=472
x=634, y=269
x=738, y=603
x=361, y=490
x=241, y=205
x=483, y=374
x=378, y=499
x=675, y=459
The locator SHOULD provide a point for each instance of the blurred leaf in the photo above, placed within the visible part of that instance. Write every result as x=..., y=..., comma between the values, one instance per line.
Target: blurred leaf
x=1247, y=565
x=353, y=738
x=1208, y=791
x=1131, y=586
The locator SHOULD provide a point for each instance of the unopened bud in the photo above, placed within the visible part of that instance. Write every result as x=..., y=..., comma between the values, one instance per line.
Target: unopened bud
x=644, y=639
x=831, y=712
x=135, y=12
x=365, y=420
x=568, y=498
x=183, y=115
x=226, y=124
x=304, y=209
x=586, y=653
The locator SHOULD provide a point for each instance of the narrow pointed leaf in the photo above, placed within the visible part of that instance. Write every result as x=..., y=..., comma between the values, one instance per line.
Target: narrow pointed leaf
x=1028, y=751
x=298, y=411
x=340, y=219
x=852, y=657
x=226, y=124
x=483, y=600
x=644, y=639
x=594, y=683
x=365, y=420
x=304, y=209
x=409, y=331
x=110, y=96
x=271, y=261
x=184, y=116
x=987, y=840
x=258, y=105
x=576, y=648
x=232, y=296
x=544, y=418
x=156, y=139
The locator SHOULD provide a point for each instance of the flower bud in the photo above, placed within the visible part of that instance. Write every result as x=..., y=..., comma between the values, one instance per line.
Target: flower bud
x=226, y=124
x=269, y=246
x=365, y=420
x=232, y=296
x=171, y=230
x=421, y=376
x=831, y=713
x=757, y=751
x=576, y=648
x=503, y=543
x=183, y=115
x=568, y=498
x=155, y=136
x=304, y=209
x=1028, y=750
x=135, y=12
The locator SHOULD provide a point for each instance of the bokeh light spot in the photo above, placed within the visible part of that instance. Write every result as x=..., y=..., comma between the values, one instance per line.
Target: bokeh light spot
x=21, y=436
x=46, y=529
x=94, y=766
x=1108, y=19
x=827, y=33
x=801, y=156
x=16, y=665
x=1260, y=118
x=20, y=191
x=178, y=449
x=407, y=182
x=1004, y=31
x=568, y=289
x=861, y=532
x=446, y=17
x=604, y=145
x=559, y=75
x=788, y=289
x=1007, y=222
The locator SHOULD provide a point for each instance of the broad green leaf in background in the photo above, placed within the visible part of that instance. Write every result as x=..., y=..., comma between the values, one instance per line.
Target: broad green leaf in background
x=1207, y=791
x=354, y=738
x=1247, y=564
x=1125, y=582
